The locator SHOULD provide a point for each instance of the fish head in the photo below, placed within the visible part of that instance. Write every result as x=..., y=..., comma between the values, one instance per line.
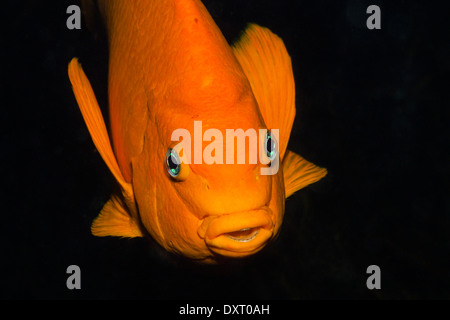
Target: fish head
x=211, y=205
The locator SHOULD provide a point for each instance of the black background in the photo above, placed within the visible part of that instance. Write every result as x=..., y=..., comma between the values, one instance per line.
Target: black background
x=372, y=107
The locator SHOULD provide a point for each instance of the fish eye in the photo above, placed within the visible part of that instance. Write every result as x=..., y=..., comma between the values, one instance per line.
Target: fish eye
x=270, y=145
x=173, y=163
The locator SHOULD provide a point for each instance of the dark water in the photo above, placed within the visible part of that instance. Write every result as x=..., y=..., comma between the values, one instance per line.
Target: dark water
x=372, y=107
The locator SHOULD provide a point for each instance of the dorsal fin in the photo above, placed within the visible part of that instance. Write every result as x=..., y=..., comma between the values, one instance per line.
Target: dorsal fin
x=267, y=65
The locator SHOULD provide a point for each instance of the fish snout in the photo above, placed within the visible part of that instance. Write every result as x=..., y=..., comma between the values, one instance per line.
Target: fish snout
x=237, y=234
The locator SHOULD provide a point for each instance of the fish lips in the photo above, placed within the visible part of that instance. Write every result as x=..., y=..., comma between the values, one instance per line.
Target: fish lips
x=237, y=234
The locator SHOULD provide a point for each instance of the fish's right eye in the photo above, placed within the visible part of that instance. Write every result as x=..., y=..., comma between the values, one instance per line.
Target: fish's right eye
x=176, y=168
x=173, y=163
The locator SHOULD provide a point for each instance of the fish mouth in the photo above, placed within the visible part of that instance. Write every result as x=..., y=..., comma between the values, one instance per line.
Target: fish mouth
x=243, y=235
x=237, y=234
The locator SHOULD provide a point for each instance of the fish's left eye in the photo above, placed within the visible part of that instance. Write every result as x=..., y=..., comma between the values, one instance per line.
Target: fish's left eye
x=270, y=146
x=173, y=163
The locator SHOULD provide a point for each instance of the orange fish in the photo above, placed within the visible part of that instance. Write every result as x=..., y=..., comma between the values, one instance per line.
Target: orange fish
x=169, y=68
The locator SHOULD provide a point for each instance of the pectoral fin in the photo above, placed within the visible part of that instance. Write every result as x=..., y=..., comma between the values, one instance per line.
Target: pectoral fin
x=94, y=119
x=267, y=65
x=114, y=219
x=298, y=173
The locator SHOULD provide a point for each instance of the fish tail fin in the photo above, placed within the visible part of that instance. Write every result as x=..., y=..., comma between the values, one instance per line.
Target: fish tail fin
x=114, y=218
x=267, y=65
x=299, y=173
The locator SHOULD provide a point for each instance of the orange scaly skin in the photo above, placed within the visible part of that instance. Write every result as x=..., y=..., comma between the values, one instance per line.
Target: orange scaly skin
x=170, y=65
